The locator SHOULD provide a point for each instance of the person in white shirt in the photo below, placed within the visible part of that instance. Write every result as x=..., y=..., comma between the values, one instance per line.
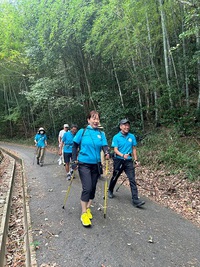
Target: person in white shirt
x=60, y=136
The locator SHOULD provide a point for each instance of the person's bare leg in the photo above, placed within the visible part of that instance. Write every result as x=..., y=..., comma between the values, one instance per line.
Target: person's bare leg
x=84, y=206
x=89, y=203
x=67, y=167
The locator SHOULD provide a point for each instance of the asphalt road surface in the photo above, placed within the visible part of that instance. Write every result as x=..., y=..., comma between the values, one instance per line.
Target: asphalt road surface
x=128, y=237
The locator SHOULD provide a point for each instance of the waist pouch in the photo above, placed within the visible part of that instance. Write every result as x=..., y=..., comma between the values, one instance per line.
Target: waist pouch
x=100, y=168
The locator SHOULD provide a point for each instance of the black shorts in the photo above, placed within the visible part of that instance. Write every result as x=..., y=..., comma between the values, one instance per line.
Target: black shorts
x=67, y=157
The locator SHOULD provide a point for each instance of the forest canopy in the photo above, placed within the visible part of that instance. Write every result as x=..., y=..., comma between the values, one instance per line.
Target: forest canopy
x=59, y=59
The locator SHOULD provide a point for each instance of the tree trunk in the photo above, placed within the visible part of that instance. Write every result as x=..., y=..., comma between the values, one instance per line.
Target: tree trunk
x=7, y=107
x=87, y=80
x=138, y=89
x=164, y=33
x=154, y=68
x=22, y=117
x=198, y=64
x=185, y=68
x=118, y=84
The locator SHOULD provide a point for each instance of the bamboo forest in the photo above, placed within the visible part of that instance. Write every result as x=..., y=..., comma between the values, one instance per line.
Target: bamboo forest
x=132, y=59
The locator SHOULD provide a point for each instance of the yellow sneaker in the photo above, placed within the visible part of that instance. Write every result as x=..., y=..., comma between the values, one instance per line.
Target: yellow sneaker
x=85, y=220
x=89, y=213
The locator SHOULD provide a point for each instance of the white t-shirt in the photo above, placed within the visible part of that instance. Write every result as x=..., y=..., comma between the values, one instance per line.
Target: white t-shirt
x=60, y=136
x=61, y=133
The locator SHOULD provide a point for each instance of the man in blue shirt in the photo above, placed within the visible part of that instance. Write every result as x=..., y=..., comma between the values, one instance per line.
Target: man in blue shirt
x=66, y=146
x=124, y=144
x=40, y=142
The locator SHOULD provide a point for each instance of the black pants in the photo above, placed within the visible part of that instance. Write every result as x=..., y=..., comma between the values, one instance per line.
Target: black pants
x=120, y=165
x=89, y=175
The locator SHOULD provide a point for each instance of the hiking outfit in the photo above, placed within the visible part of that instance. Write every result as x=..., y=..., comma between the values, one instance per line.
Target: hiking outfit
x=90, y=142
x=67, y=140
x=125, y=144
x=60, y=136
x=41, y=142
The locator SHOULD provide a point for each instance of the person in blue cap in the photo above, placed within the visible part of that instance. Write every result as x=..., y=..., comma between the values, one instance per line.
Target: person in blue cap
x=41, y=143
x=90, y=141
x=124, y=144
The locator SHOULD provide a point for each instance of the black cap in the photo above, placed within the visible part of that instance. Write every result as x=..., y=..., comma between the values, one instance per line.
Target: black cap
x=124, y=121
x=74, y=126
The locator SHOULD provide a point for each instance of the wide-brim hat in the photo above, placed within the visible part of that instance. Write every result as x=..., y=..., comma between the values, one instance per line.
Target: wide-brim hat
x=41, y=129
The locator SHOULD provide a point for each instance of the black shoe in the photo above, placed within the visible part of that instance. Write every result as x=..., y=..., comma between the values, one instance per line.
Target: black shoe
x=38, y=162
x=110, y=194
x=138, y=203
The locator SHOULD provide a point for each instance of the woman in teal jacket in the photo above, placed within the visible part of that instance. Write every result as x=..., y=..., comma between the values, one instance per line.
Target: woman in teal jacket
x=90, y=141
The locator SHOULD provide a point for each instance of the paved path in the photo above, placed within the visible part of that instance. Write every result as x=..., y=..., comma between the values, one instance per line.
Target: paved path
x=120, y=240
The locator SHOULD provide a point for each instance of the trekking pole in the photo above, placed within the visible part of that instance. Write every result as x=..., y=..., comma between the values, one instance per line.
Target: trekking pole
x=120, y=185
x=124, y=179
x=105, y=191
x=68, y=190
x=117, y=172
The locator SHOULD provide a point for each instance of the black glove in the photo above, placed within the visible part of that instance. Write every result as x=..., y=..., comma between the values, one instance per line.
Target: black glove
x=74, y=165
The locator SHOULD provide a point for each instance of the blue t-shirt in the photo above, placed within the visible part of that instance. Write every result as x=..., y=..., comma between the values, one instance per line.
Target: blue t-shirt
x=68, y=142
x=91, y=142
x=124, y=143
x=40, y=139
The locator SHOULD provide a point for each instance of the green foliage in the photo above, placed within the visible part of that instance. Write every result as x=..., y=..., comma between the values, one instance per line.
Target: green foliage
x=58, y=61
x=185, y=122
x=11, y=33
x=35, y=244
x=14, y=115
x=166, y=148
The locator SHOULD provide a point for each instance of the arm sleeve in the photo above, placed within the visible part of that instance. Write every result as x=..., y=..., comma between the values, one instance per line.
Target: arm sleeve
x=74, y=151
x=105, y=149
